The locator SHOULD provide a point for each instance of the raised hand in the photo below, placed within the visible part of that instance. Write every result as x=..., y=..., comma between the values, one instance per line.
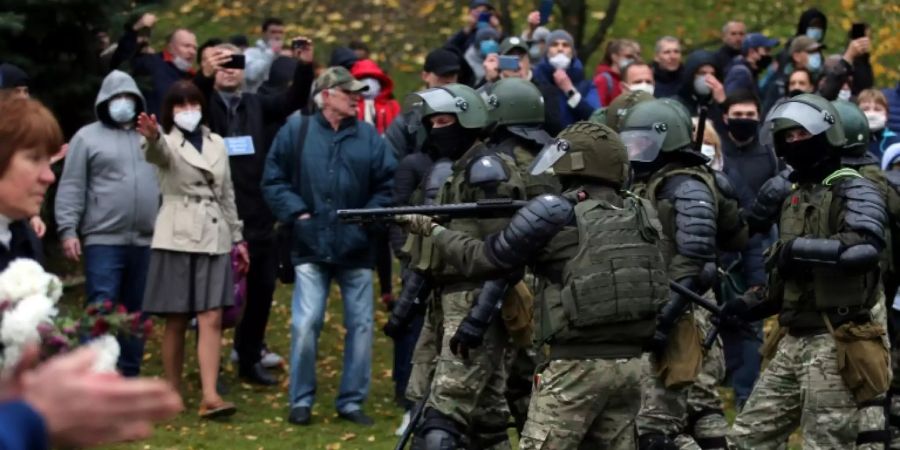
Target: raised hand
x=147, y=126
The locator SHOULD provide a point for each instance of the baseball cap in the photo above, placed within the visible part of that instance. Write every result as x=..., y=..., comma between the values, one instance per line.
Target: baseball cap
x=805, y=44
x=442, y=62
x=756, y=40
x=339, y=77
x=12, y=76
x=512, y=43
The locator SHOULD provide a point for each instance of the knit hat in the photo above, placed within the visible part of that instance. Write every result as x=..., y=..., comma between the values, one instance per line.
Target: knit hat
x=540, y=34
x=560, y=34
x=486, y=33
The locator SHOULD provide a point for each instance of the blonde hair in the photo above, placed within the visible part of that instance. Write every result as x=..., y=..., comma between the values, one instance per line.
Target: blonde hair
x=710, y=135
x=872, y=95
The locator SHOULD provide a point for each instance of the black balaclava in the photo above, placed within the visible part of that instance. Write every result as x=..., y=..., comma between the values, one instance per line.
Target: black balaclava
x=449, y=142
x=811, y=159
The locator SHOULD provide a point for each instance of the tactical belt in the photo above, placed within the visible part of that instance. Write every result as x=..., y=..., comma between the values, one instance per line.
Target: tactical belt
x=595, y=351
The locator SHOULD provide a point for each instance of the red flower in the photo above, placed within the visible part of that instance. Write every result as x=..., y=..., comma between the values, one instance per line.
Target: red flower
x=100, y=327
x=148, y=328
x=120, y=309
x=107, y=305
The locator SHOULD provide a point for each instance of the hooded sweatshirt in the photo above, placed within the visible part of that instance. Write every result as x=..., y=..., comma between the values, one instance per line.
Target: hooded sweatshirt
x=686, y=94
x=381, y=110
x=108, y=193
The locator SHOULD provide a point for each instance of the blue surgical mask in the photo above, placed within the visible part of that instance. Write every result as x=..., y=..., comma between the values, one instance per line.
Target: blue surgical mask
x=815, y=33
x=121, y=110
x=814, y=62
x=488, y=46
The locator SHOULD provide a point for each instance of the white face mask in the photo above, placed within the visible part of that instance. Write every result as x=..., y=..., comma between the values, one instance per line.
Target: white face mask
x=876, y=120
x=188, y=120
x=374, y=88
x=121, y=110
x=182, y=64
x=646, y=87
x=710, y=152
x=845, y=94
x=560, y=61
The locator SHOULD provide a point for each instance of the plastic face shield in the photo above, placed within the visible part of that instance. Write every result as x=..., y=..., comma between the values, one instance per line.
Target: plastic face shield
x=812, y=119
x=644, y=144
x=549, y=155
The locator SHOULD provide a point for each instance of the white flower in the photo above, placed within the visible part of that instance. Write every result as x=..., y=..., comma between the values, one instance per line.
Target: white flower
x=25, y=278
x=20, y=326
x=107, y=349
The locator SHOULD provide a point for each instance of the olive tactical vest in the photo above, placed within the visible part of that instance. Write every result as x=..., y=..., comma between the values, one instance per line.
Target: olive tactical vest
x=615, y=284
x=808, y=293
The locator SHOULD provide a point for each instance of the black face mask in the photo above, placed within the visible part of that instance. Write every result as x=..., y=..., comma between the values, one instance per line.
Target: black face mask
x=810, y=158
x=764, y=61
x=449, y=142
x=742, y=130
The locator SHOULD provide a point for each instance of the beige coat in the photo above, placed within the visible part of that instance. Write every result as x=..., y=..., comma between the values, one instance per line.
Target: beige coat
x=192, y=218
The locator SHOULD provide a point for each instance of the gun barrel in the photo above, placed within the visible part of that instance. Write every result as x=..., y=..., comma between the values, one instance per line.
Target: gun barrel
x=481, y=209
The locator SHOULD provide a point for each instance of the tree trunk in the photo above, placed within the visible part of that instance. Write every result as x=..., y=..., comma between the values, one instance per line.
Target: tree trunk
x=574, y=19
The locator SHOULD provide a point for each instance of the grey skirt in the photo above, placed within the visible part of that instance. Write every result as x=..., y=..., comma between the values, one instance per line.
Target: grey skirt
x=184, y=283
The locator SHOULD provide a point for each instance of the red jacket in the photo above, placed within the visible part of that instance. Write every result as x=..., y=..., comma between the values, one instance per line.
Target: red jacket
x=386, y=108
x=603, y=83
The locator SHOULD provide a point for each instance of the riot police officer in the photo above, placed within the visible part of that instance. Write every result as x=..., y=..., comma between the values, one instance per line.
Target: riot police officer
x=699, y=213
x=831, y=361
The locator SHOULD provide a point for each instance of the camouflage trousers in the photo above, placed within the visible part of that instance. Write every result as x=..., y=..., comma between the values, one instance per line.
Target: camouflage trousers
x=519, y=383
x=588, y=403
x=692, y=415
x=802, y=386
x=471, y=391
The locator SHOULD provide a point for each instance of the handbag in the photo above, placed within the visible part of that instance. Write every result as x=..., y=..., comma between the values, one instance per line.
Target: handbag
x=284, y=232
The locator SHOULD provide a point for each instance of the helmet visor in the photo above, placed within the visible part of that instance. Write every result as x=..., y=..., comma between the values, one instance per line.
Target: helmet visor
x=549, y=155
x=643, y=144
x=812, y=119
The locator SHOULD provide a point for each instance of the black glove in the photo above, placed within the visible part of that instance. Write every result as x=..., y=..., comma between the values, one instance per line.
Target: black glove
x=469, y=335
x=732, y=315
x=394, y=326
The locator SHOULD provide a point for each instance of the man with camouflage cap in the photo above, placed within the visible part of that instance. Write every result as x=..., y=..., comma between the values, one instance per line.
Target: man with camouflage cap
x=465, y=398
x=597, y=256
x=830, y=371
x=699, y=213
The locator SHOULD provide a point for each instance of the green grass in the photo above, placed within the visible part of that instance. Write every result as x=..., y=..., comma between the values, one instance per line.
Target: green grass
x=261, y=420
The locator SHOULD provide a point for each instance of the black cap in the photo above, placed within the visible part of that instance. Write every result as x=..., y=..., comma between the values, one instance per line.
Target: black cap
x=442, y=62
x=476, y=3
x=12, y=76
x=239, y=40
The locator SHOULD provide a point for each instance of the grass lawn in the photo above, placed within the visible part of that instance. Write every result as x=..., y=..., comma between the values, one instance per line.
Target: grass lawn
x=261, y=420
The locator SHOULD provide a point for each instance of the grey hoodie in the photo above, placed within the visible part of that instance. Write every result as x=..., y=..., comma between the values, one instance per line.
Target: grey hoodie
x=108, y=193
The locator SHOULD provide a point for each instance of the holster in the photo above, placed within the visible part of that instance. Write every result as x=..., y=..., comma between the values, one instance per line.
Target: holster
x=863, y=359
x=517, y=312
x=683, y=358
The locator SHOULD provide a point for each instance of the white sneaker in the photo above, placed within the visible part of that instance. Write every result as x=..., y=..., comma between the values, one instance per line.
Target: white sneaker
x=270, y=360
x=403, y=424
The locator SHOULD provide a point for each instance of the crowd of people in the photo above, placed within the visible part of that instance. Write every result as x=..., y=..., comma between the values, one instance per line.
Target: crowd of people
x=761, y=177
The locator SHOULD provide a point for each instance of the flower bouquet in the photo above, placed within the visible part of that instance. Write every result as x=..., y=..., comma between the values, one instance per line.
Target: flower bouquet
x=29, y=315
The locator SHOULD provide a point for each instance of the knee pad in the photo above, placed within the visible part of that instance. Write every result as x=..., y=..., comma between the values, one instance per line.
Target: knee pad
x=656, y=441
x=438, y=432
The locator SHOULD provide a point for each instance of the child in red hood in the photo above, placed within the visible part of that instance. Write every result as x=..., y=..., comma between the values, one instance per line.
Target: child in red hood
x=377, y=106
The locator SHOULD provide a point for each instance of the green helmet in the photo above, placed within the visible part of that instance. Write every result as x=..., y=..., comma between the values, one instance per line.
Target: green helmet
x=588, y=150
x=811, y=112
x=654, y=126
x=457, y=99
x=856, y=128
x=515, y=101
x=619, y=107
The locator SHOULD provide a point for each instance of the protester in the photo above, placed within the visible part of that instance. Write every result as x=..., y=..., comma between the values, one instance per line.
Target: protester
x=711, y=146
x=343, y=164
x=344, y=57
x=405, y=135
x=800, y=82
x=377, y=107
x=638, y=76
x=13, y=82
x=241, y=117
x=535, y=36
x=743, y=72
x=893, y=100
x=106, y=205
x=196, y=231
x=259, y=57
x=360, y=49
x=874, y=104
x=667, y=67
x=733, y=33
x=700, y=86
x=61, y=400
x=465, y=38
x=486, y=43
x=803, y=53
x=619, y=54
x=562, y=72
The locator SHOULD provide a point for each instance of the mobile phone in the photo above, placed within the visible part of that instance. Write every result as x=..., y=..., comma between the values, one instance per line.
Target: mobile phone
x=236, y=62
x=509, y=62
x=485, y=17
x=299, y=43
x=857, y=31
x=545, y=9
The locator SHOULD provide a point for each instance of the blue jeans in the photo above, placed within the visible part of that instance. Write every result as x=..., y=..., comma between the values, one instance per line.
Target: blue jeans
x=118, y=273
x=307, y=316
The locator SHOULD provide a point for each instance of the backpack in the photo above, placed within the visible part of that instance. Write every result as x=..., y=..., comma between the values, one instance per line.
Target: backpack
x=618, y=274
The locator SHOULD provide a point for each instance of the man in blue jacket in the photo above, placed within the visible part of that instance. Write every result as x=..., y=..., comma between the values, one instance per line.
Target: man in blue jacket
x=317, y=165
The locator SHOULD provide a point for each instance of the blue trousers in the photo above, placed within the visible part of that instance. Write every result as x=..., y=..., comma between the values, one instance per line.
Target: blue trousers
x=118, y=273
